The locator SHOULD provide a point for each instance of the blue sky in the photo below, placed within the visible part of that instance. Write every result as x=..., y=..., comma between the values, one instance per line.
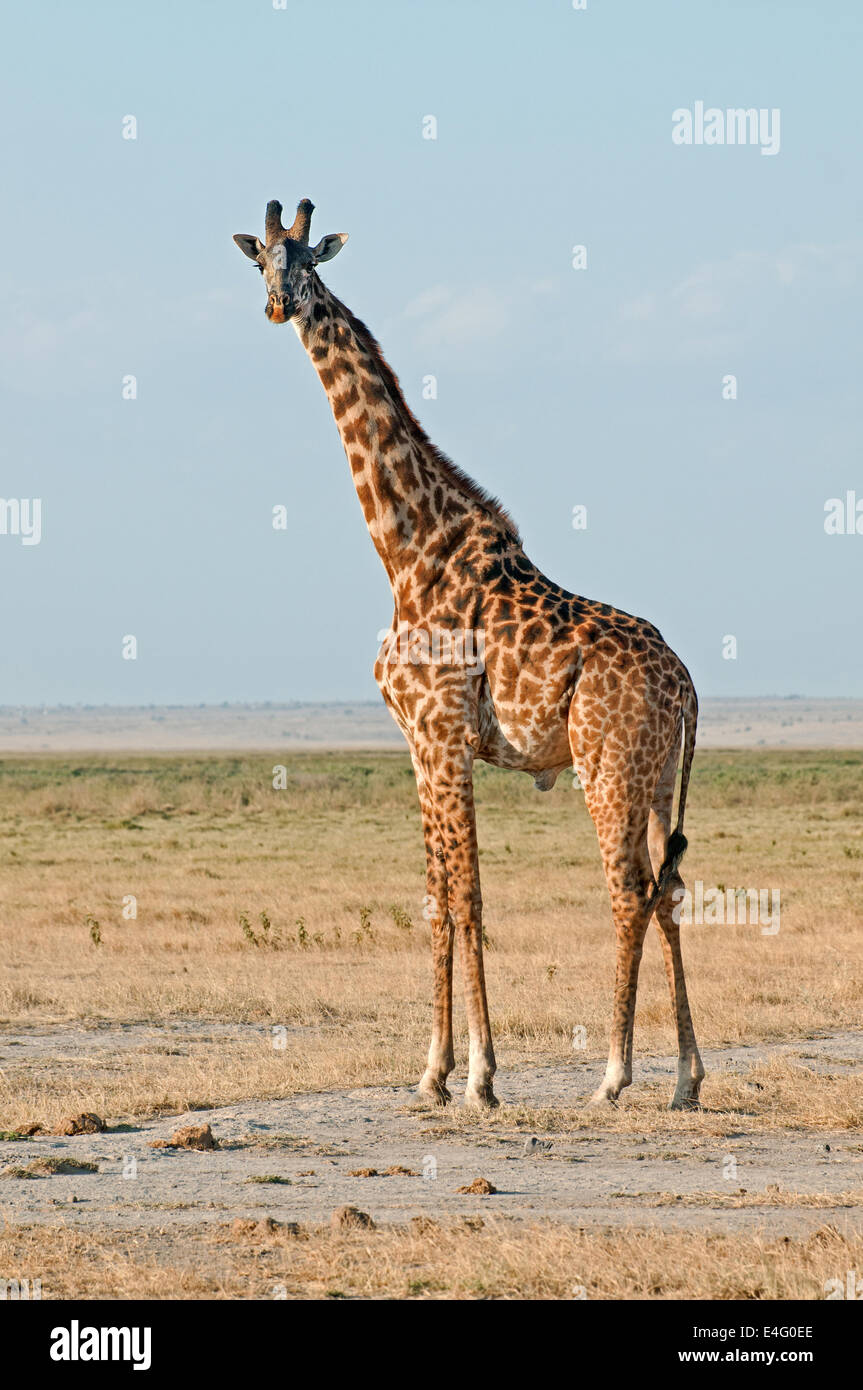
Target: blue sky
x=556, y=387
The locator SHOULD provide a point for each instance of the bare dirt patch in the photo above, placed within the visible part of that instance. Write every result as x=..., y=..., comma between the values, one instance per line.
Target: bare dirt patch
x=755, y=1157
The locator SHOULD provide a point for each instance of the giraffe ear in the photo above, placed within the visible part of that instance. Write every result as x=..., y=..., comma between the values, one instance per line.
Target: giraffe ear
x=249, y=245
x=329, y=246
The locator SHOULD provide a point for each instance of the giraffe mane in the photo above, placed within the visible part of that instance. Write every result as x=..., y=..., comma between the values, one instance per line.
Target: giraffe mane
x=461, y=480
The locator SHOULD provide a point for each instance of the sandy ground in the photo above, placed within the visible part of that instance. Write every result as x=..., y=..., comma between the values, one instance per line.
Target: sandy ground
x=312, y=1142
x=788, y=723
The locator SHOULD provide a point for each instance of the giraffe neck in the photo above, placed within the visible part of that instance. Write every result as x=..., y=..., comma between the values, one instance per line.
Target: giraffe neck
x=418, y=505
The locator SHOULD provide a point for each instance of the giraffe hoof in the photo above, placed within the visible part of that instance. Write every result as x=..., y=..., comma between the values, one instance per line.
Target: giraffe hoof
x=686, y=1092
x=481, y=1097
x=616, y=1077
x=684, y=1102
x=603, y=1099
x=432, y=1093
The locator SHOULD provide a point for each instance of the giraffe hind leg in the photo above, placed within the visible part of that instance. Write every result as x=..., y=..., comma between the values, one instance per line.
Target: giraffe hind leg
x=690, y=1070
x=627, y=870
x=620, y=778
x=619, y=804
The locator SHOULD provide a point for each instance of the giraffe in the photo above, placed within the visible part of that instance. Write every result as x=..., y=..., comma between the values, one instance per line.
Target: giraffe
x=552, y=681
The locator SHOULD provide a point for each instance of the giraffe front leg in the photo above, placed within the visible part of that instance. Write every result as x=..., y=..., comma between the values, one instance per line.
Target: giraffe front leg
x=481, y=1066
x=441, y=1059
x=458, y=823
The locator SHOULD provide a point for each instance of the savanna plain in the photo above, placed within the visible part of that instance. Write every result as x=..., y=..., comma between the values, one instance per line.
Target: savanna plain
x=184, y=942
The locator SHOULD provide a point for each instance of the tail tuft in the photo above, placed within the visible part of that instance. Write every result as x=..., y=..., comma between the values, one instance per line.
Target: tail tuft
x=674, y=852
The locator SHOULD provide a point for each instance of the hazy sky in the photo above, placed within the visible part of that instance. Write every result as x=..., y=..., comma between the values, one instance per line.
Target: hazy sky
x=557, y=387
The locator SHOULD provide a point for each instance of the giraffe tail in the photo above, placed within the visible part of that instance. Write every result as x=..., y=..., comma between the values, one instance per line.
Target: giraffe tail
x=677, y=841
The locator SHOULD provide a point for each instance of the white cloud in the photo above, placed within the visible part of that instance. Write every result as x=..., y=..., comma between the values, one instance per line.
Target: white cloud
x=445, y=318
x=637, y=310
x=428, y=302
x=723, y=304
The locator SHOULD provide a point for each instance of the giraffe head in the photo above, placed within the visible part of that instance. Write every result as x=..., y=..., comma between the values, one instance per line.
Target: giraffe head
x=287, y=262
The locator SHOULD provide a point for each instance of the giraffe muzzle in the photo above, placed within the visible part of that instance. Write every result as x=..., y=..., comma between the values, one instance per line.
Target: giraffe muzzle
x=279, y=308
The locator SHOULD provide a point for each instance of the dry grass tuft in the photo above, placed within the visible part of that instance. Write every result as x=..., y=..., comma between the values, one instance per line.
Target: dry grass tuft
x=51, y=1167
x=480, y=1187
x=84, y=1123
x=189, y=1137
x=351, y=1218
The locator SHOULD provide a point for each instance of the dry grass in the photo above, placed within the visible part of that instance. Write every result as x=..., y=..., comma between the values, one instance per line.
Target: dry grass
x=301, y=910
x=495, y=1259
x=335, y=865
